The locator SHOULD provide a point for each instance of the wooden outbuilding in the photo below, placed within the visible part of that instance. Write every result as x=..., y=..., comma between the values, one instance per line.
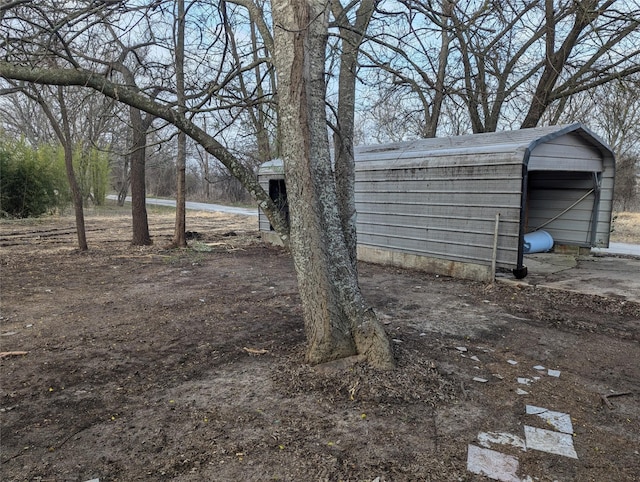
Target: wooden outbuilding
x=469, y=205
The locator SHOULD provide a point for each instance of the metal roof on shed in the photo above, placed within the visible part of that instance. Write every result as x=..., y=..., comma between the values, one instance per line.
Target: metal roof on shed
x=494, y=148
x=516, y=145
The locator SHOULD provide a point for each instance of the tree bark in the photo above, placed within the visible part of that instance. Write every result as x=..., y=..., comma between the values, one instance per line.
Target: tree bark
x=179, y=233
x=351, y=36
x=140, y=221
x=124, y=187
x=337, y=320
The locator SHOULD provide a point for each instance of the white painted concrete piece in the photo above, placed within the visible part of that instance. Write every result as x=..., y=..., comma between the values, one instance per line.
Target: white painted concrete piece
x=488, y=439
x=549, y=441
x=560, y=421
x=493, y=464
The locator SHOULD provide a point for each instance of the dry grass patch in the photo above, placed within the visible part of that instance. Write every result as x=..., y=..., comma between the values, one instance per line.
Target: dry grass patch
x=626, y=228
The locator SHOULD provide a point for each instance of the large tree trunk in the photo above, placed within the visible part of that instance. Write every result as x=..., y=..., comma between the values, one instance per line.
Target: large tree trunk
x=141, y=235
x=337, y=320
x=179, y=233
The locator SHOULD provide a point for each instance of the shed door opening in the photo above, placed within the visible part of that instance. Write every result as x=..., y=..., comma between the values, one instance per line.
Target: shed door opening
x=278, y=192
x=564, y=203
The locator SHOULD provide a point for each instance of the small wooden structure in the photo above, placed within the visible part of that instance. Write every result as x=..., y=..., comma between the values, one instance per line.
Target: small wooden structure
x=461, y=206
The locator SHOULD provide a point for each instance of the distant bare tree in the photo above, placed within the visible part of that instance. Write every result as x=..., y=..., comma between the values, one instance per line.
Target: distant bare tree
x=617, y=116
x=612, y=110
x=626, y=196
x=20, y=116
x=139, y=124
x=600, y=46
x=72, y=118
x=506, y=62
x=519, y=58
x=408, y=51
x=61, y=126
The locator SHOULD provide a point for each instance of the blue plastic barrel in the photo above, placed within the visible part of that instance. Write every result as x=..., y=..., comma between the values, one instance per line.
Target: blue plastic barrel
x=537, y=242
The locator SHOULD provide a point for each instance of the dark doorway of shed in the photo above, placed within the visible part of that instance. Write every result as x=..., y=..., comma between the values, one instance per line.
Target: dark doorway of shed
x=278, y=192
x=565, y=204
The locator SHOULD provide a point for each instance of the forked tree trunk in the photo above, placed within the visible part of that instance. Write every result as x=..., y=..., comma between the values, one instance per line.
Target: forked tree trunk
x=338, y=323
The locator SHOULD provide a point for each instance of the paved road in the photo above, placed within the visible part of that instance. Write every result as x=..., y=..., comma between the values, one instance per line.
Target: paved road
x=619, y=249
x=220, y=208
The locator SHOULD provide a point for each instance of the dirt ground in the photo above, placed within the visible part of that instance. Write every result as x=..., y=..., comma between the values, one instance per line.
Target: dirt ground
x=149, y=364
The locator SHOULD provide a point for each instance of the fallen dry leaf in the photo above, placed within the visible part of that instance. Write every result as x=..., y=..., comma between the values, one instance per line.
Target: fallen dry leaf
x=255, y=351
x=4, y=354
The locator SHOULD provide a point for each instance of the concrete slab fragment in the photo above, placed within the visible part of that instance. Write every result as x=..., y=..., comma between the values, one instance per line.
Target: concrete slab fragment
x=594, y=275
x=560, y=421
x=549, y=441
x=488, y=439
x=492, y=464
x=601, y=276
